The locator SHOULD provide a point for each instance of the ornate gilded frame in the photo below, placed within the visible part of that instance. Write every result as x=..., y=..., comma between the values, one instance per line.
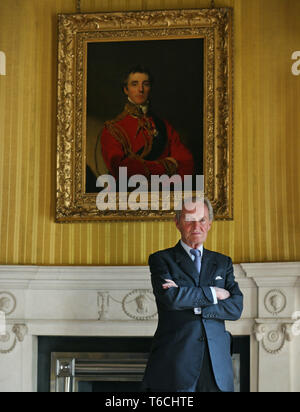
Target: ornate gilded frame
x=75, y=30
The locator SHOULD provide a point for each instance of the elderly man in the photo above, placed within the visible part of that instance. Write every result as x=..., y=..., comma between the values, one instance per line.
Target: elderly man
x=195, y=293
x=140, y=140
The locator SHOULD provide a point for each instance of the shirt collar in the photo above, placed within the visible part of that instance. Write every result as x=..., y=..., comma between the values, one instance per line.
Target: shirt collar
x=188, y=248
x=142, y=107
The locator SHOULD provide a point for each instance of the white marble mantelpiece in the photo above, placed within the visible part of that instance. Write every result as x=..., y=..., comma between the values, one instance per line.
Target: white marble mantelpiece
x=118, y=301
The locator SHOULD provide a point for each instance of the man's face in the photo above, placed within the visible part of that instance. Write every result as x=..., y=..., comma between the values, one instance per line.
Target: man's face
x=194, y=224
x=138, y=88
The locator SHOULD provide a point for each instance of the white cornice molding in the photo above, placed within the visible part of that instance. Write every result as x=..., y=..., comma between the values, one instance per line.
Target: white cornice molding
x=137, y=277
x=273, y=273
x=75, y=277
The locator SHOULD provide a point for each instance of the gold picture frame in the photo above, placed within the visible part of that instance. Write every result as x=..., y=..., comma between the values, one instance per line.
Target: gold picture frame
x=76, y=32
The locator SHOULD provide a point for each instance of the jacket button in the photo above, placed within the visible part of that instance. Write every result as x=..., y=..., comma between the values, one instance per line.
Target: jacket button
x=201, y=339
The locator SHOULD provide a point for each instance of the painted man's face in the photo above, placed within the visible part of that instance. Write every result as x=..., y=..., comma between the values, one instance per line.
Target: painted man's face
x=138, y=88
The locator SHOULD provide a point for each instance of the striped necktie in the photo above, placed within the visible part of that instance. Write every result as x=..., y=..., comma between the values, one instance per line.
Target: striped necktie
x=197, y=260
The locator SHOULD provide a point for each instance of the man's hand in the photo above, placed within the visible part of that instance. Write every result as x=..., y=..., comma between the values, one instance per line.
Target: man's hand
x=169, y=284
x=222, y=294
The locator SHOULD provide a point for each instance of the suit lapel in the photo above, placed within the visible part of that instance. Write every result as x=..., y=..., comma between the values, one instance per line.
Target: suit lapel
x=208, y=268
x=185, y=263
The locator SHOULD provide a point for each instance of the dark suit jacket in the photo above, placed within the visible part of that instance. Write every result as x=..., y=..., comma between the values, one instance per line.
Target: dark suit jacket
x=177, y=351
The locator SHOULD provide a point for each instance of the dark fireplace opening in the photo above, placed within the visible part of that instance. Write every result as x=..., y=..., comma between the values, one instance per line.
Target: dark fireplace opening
x=111, y=364
x=118, y=386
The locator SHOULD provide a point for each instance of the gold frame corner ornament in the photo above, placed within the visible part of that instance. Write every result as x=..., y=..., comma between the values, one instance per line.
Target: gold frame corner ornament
x=74, y=31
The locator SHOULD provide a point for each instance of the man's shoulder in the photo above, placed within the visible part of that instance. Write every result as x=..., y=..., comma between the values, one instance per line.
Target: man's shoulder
x=172, y=250
x=163, y=253
x=121, y=117
x=162, y=259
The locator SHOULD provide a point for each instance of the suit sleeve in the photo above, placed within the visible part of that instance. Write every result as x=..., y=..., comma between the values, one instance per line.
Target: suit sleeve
x=231, y=308
x=181, y=298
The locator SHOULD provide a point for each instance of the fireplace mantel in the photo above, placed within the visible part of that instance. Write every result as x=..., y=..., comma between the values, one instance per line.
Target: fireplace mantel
x=118, y=301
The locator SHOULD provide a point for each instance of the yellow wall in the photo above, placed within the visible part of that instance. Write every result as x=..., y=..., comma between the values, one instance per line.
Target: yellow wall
x=266, y=224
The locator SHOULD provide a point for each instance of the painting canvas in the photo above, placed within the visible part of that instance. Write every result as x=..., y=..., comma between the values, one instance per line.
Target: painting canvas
x=176, y=93
x=188, y=53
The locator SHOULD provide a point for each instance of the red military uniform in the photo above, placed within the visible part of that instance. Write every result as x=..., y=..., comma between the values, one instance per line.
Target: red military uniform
x=144, y=144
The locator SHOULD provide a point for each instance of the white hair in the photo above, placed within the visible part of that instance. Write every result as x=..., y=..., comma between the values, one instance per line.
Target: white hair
x=195, y=199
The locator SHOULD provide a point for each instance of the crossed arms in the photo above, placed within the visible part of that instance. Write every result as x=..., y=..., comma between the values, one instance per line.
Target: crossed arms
x=174, y=294
x=221, y=293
